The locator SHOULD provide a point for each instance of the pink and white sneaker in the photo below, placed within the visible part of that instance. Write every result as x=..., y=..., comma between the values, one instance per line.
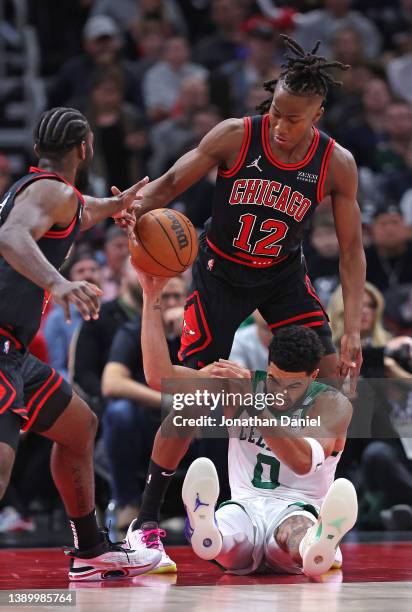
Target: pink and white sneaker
x=148, y=537
x=110, y=560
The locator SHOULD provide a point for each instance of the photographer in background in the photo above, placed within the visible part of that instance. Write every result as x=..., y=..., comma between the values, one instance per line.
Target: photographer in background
x=386, y=471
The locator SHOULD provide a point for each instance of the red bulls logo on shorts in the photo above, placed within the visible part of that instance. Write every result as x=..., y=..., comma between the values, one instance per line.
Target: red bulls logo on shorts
x=195, y=332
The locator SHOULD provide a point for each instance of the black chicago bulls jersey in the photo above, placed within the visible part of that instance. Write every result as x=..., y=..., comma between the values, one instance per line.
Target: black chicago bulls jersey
x=261, y=205
x=21, y=301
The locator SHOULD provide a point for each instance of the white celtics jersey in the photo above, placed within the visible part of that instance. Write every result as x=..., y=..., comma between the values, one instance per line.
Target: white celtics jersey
x=255, y=470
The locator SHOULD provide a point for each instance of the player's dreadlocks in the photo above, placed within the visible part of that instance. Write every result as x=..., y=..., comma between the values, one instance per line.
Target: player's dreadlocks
x=59, y=130
x=303, y=75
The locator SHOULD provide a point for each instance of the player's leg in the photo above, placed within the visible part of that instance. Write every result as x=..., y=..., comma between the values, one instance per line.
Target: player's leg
x=54, y=411
x=227, y=536
x=9, y=438
x=298, y=541
x=11, y=400
x=294, y=302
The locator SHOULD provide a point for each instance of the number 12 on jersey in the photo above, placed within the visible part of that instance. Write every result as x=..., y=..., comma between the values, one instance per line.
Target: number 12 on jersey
x=268, y=245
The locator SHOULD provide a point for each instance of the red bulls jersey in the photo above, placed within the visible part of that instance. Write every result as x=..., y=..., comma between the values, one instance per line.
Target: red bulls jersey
x=261, y=205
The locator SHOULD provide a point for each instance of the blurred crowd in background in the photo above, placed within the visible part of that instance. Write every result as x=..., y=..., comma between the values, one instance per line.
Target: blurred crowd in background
x=153, y=77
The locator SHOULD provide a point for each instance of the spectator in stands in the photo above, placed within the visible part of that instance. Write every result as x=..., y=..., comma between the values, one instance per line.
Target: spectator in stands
x=196, y=202
x=382, y=357
x=132, y=415
x=102, y=43
x=116, y=250
x=322, y=256
x=120, y=140
x=391, y=153
x=163, y=81
x=132, y=14
x=259, y=65
x=92, y=344
x=250, y=344
x=225, y=45
x=6, y=177
x=363, y=130
x=168, y=137
x=390, y=254
x=321, y=24
x=59, y=30
x=395, y=187
x=146, y=48
x=399, y=71
x=57, y=331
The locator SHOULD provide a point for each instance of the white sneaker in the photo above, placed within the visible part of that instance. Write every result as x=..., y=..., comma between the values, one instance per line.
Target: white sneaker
x=148, y=538
x=200, y=492
x=320, y=546
x=109, y=560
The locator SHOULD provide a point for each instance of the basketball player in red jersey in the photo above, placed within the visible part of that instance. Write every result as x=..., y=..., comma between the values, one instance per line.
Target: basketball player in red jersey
x=40, y=216
x=273, y=171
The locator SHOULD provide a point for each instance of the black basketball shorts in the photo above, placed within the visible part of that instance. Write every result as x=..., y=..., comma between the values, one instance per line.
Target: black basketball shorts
x=224, y=294
x=32, y=394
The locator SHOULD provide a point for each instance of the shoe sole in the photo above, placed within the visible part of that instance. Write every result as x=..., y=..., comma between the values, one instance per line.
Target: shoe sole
x=100, y=573
x=337, y=516
x=164, y=569
x=202, y=483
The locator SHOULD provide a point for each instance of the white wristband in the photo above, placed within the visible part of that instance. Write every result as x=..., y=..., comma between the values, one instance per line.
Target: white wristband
x=318, y=455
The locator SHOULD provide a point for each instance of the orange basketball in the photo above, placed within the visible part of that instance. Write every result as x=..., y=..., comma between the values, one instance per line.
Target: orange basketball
x=167, y=242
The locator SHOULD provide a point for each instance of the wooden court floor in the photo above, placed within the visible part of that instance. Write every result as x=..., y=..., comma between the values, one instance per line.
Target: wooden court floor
x=376, y=577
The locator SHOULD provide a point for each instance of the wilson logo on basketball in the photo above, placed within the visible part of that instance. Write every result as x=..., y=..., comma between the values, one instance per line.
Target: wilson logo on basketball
x=178, y=229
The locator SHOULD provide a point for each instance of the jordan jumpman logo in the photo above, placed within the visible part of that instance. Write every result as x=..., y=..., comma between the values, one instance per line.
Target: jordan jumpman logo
x=255, y=164
x=198, y=503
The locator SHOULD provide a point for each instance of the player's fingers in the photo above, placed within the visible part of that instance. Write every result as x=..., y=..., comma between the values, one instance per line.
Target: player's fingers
x=90, y=290
x=96, y=290
x=88, y=300
x=140, y=184
x=354, y=376
x=66, y=308
x=115, y=190
x=81, y=306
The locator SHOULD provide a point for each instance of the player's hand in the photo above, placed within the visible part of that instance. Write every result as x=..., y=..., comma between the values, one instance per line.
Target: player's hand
x=350, y=359
x=129, y=197
x=127, y=200
x=224, y=368
x=84, y=295
x=152, y=285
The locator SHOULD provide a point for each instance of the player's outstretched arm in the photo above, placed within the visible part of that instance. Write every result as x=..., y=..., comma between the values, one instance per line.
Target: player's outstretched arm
x=98, y=209
x=156, y=358
x=35, y=211
x=219, y=145
x=352, y=263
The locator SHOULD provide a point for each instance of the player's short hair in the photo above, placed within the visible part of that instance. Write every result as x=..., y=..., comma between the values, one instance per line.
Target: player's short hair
x=303, y=75
x=296, y=349
x=59, y=130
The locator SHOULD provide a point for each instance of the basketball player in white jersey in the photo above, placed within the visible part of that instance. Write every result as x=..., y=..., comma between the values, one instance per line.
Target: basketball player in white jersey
x=286, y=511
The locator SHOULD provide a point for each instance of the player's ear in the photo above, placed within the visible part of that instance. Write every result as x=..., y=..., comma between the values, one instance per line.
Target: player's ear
x=319, y=114
x=315, y=374
x=83, y=150
x=36, y=150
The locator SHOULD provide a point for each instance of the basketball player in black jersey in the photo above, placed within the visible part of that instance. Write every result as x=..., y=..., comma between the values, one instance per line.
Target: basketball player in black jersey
x=40, y=217
x=273, y=170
